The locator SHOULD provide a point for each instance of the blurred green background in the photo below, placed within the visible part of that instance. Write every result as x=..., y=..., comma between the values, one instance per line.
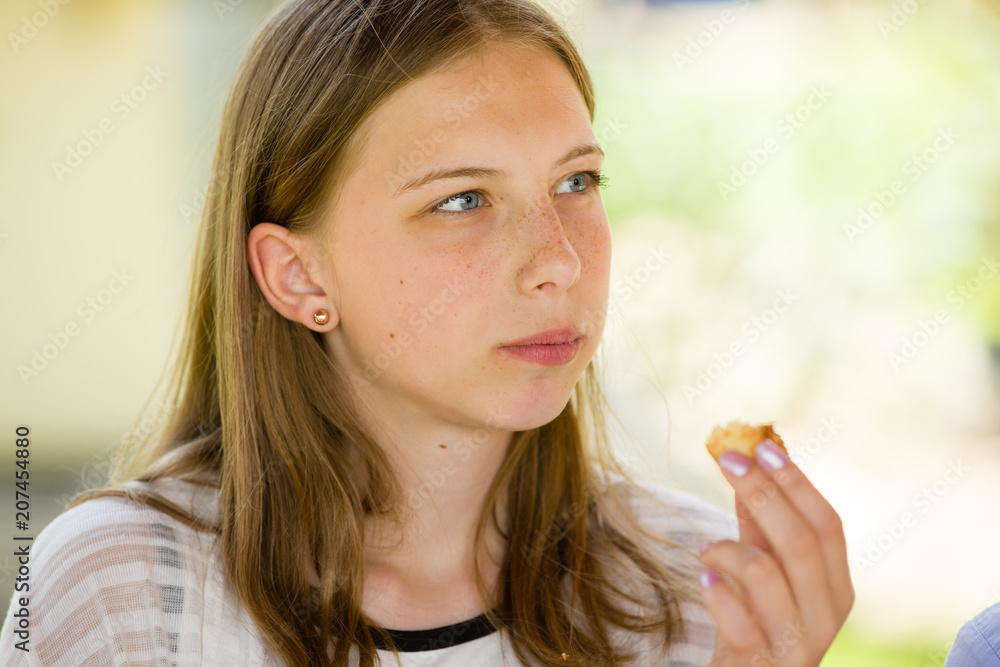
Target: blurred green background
x=844, y=154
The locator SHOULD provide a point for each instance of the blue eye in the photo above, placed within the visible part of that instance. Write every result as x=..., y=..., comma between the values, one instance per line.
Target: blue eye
x=460, y=199
x=594, y=175
x=469, y=201
x=577, y=180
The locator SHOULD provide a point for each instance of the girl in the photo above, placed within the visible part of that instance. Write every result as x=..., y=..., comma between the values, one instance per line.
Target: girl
x=386, y=437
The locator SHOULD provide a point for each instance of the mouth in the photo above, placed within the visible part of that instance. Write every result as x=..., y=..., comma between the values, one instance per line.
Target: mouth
x=564, y=336
x=546, y=354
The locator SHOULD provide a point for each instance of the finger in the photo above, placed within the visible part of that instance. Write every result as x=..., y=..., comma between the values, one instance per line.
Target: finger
x=818, y=512
x=750, y=532
x=762, y=578
x=734, y=584
x=796, y=545
x=734, y=622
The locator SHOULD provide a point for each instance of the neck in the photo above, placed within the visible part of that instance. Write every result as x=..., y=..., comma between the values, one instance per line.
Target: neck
x=445, y=488
x=420, y=572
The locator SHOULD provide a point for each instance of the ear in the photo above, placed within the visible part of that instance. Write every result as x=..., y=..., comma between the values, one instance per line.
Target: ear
x=295, y=285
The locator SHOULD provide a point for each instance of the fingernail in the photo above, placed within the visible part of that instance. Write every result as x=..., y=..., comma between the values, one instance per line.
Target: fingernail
x=770, y=455
x=708, y=577
x=735, y=463
x=704, y=547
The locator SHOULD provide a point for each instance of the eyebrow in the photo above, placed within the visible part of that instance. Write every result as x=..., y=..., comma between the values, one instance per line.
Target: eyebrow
x=484, y=172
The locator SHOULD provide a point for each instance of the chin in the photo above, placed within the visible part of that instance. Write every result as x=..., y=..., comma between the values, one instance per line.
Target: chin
x=533, y=409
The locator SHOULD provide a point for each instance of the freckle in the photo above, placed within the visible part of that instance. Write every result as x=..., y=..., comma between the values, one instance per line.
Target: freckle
x=400, y=282
x=443, y=446
x=392, y=335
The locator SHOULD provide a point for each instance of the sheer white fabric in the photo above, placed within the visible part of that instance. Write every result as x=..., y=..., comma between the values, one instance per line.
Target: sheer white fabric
x=115, y=583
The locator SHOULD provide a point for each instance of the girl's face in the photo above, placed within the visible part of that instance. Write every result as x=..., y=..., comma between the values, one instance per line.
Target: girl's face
x=469, y=223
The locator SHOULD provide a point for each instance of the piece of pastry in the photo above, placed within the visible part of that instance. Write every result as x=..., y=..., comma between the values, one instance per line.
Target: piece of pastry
x=740, y=437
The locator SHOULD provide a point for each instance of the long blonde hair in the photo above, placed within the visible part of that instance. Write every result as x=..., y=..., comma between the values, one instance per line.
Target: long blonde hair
x=259, y=410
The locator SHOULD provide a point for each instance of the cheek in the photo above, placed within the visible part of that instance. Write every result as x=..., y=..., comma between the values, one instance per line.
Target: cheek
x=432, y=297
x=593, y=246
x=594, y=250
x=411, y=287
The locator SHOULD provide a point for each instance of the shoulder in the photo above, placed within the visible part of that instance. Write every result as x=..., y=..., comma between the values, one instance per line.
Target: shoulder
x=103, y=533
x=687, y=520
x=978, y=640
x=680, y=515
x=108, y=568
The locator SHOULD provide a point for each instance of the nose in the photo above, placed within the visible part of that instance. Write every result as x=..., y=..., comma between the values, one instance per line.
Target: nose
x=552, y=264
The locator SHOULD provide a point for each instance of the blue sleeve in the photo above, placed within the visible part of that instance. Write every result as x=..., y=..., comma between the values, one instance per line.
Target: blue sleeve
x=978, y=641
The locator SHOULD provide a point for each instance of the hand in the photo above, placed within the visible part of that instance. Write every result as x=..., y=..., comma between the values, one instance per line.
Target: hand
x=791, y=586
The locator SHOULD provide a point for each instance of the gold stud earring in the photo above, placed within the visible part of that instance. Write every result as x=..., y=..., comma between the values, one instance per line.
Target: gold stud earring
x=321, y=316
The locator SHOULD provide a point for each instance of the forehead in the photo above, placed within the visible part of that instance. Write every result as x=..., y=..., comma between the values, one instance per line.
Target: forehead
x=502, y=97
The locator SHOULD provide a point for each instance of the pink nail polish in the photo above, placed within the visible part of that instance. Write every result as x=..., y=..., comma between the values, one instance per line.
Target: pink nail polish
x=708, y=577
x=704, y=547
x=770, y=455
x=735, y=463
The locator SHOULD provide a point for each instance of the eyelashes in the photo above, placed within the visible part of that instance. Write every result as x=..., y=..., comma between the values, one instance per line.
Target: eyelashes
x=599, y=179
x=595, y=177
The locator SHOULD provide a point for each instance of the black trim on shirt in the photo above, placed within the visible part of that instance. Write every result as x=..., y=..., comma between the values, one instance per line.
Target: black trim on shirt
x=409, y=641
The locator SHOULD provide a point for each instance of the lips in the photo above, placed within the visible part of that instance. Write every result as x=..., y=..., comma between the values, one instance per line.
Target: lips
x=550, y=337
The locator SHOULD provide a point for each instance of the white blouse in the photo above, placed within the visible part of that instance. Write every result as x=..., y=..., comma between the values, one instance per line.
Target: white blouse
x=114, y=582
